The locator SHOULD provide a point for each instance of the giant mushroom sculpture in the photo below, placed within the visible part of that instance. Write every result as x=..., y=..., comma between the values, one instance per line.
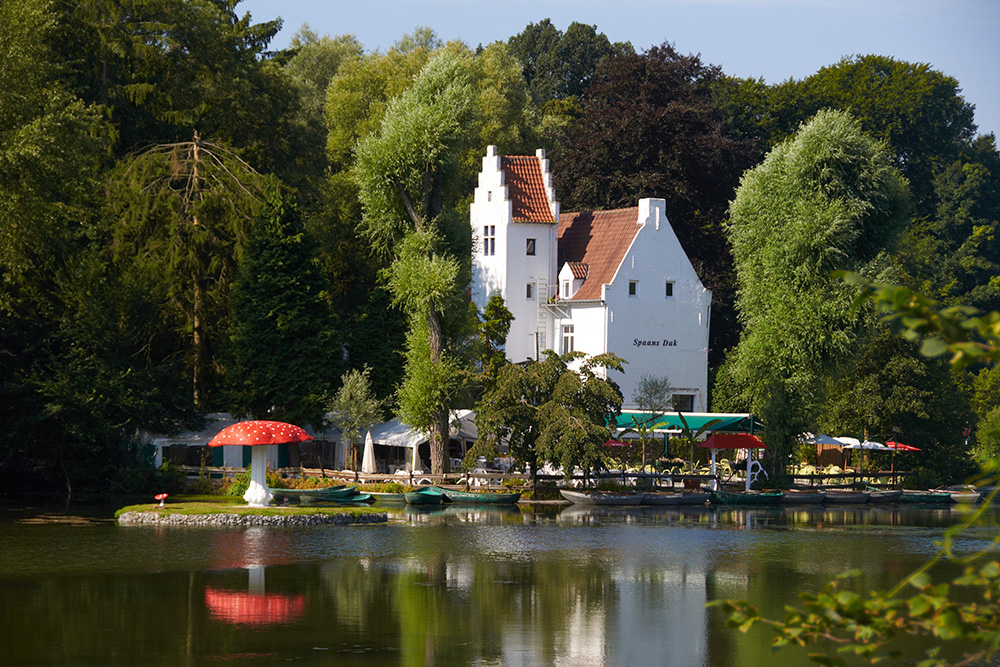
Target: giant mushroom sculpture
x=258, y=433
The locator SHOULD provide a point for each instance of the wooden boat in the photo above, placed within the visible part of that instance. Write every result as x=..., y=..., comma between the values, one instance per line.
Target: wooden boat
x=356, y=499
x=660, y=498
x=388, y=498
x=601, y=497
x=852, y=497
x=694, y=498
x=424, y=496
x=913, y=496
x=965, y=497
x=794, y=497
x=482, y=497
x=309, y=495
x=752, y=498
x=884, y=496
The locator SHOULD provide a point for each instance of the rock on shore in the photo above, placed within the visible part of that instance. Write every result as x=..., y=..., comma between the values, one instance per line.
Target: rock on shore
x=154, y=518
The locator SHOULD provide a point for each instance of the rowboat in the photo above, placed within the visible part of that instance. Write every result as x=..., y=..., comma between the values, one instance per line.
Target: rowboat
x=751, y=498
x=853, y=497
x=693, y=498
x=482, y=498
x=601, y=497
x=309, y=495
x=965, y=497
x=388, y=498
x=794, y=497
x=911, y=496
x=884, y=496
x=660, y=498
x=424, y=496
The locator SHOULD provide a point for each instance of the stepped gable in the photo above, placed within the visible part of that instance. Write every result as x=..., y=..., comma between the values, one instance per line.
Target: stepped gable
x=598, y=239
x=526, y=188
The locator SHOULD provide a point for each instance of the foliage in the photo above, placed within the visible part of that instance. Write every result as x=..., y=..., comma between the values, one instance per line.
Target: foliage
x=649, y=128
x=406, y=174
x=355, y=409
x=559, y=65
x=653, y=396
x=183, y=210
x=828, y=199
x=549, y=411
x=867, y=625
x=282, y=344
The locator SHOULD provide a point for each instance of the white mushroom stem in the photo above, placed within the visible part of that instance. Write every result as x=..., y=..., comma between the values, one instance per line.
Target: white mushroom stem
x=258, y=495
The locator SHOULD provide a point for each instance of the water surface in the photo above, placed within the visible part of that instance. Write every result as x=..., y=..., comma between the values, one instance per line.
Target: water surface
x=604, y=587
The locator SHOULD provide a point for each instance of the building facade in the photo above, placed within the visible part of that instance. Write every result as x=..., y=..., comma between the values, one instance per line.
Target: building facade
x=595, y=281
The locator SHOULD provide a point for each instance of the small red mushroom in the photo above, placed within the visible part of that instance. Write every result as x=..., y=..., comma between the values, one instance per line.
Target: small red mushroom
x=161, y=497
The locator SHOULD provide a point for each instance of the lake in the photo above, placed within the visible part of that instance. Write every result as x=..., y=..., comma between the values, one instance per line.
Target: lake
x=529, y=586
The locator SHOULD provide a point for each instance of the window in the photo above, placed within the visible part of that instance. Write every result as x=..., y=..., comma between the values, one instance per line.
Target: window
x=567, y=335
x=683, y=402
x=565, y=287
x=529, y=247
x=529, y=291
x=489, y=195
x=633, y=288
x=489, y=239
x=670, y=288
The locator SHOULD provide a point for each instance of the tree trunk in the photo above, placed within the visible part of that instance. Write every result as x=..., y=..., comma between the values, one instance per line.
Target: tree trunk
x=439, y=427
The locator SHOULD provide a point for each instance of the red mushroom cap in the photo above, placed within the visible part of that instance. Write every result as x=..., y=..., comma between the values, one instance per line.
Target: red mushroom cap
x=161, y=496
x=259, y=432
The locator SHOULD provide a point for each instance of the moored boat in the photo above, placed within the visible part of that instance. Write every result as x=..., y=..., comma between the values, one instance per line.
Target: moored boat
x=482, y=497
x=694, y=498
x=795, y=497
x=885, y=496
x=388, y=498
x=751, y=498
x=965, y=497
x=660, y=498
x=840, y=496
x=307, y=495
x=424, y=496
x=915, y=496
x=601, y=497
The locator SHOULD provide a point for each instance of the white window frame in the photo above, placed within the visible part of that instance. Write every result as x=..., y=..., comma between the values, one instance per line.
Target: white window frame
x=568, y=336
x=530, y=246
x=489, y=240
x=529, y=291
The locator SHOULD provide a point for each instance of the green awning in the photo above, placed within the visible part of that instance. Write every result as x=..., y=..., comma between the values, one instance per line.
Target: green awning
x=728, y=422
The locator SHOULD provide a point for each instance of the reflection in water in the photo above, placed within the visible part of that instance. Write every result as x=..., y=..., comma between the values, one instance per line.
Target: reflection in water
x=477, y=586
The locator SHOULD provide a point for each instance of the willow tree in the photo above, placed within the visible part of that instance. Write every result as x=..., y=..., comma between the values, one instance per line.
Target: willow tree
x=407, y=178
x=827, y=199
x=184, y=210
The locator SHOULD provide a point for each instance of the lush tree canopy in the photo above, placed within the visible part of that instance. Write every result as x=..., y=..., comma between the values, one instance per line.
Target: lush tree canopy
x=827, y=199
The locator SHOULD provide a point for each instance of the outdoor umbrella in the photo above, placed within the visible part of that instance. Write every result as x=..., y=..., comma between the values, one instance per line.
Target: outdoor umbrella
x=718, y=441
x=258, y=434
x=368, y=460
x=865, y=446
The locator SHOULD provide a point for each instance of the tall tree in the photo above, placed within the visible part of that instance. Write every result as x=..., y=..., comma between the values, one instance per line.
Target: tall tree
x=407, y=176
x=185, y=209
x=560, y=65
x=649, y=128
x=283, y=347
x=828, y=199
x=550, y=413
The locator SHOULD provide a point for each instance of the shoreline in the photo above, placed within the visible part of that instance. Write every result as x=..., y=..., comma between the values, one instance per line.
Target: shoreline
x=154, y=518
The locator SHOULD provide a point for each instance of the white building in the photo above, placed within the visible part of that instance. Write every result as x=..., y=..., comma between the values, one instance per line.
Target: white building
x=596, y=281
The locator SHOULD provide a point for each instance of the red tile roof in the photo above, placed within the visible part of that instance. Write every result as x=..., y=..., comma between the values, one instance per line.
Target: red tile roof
x=579, y=270
x=600, y=240
x=526, y=188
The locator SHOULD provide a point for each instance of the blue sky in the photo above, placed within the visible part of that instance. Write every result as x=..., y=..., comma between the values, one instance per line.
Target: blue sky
x=773, y=39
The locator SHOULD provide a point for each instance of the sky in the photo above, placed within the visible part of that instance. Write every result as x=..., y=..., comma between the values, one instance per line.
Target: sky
x=770, y=39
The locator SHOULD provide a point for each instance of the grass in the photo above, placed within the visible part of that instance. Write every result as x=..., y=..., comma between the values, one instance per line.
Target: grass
x=196, y=508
